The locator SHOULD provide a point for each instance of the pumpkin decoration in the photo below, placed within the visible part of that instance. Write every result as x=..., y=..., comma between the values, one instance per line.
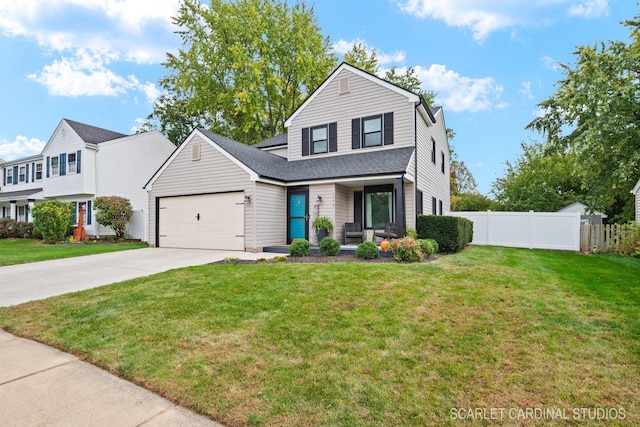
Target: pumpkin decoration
x=384, y=245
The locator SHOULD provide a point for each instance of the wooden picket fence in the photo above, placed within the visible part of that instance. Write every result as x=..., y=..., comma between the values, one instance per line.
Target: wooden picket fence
x=603, y=238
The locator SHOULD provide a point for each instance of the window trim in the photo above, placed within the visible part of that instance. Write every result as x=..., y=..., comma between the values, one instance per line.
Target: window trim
x=9, y=176
x=38, y=165
x=379, y=132
x=22, y=174
x=312, y=141
x=55, y=169
x=71, y=166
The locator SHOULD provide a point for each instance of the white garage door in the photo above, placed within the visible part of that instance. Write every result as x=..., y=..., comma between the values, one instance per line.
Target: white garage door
x=210, y=221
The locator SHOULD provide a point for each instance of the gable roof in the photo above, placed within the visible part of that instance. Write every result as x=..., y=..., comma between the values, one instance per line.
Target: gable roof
x=93, y=134
x=412, y=97
x=581, y=208
x=274, y=141
x=636, y=188
x=267, y=165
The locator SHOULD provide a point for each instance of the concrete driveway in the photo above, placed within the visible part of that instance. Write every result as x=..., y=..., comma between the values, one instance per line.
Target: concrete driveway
x=38, y=280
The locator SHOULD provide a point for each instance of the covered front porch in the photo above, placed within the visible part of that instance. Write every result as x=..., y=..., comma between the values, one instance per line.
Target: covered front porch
x=17, y=205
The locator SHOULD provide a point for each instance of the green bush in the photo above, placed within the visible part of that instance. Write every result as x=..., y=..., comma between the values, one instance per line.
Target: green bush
x=406, y=250
x=367, y=250
x=329, y=246
x=452, y=233
x=279, y=258
x=114, y=212
x=411, y=233
x=631, y=241
x=427, y=246
x=434, y=244
x=52, y=219
x=299, y=247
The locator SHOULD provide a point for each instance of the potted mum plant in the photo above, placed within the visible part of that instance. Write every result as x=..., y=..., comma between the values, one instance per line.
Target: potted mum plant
x=322, y=226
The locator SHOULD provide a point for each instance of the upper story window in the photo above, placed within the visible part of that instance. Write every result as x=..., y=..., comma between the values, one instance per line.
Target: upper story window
x=320, y=139
x=23, y=174
x=433, y=150
x=9, y=176
x=71, y=162
x=38, y=170
x=372, y=131
x=442, y=157
x=54, y=166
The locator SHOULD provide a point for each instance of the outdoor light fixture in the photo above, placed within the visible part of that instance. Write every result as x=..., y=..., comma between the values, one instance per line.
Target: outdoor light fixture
x=247, y=199
x=319, y=199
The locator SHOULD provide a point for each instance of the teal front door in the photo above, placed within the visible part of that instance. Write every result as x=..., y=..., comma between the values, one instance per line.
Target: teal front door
x=298, y=223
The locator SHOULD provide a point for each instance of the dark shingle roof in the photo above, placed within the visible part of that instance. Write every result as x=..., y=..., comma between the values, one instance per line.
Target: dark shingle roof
x=93, y=134
x=274, y=141
x=368, y=163
x=10, y=194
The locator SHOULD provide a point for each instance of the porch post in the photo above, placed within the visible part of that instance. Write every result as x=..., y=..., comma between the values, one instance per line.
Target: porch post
x=13, y=212
x=29, y=217
x=401, y=218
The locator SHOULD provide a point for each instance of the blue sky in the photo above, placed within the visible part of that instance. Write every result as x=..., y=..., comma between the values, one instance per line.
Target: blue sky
x=490, y=61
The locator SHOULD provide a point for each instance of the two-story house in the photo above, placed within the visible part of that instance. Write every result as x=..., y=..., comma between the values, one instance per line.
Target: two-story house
x=79, y=163
x=358, y=150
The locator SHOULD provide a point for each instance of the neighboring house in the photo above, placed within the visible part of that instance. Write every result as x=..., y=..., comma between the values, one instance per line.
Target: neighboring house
x=586, y=216
x=359, y=149
x=79, y=163
x=636, y=192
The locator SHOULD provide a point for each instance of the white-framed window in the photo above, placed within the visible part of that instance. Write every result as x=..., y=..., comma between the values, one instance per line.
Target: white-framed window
x=9, y=176
x=372, y=131
x=38, y=170
x=54, y=166
x=23, y=173
x=71, y=163
x=378, y=206
x=319, y=140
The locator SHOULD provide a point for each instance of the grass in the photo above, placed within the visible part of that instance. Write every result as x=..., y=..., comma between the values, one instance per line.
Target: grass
x=20, y=251
x=368, y=344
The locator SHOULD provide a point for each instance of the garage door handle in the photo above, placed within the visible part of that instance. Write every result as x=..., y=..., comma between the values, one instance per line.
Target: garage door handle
x=239, y=235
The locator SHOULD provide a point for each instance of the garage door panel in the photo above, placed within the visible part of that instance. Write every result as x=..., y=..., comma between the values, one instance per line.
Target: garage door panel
x=212, y=221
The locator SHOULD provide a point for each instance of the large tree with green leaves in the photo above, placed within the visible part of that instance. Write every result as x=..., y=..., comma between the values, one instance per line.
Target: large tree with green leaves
x=538, y=180
x=244, y=67
x=595, y=116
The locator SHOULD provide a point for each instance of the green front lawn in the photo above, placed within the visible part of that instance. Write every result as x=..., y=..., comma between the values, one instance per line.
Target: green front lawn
x=20, y=251
x=369, y=344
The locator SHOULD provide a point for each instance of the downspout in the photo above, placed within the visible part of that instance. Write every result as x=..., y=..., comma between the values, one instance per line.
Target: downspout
x=415, y=171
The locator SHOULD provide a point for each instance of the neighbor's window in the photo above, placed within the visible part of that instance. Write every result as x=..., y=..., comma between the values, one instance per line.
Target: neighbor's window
x=71, y=162
x=378, y=202
x=9, y=176
x=22, y=175
x=54, y=166
x=319, y=142
x=372, y=131
x=38, y=170
x=434, y=209
x=442, y=158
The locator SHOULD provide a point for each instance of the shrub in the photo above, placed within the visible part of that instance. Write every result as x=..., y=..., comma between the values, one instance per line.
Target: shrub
x=367, y=250
x=231, y=260
x=452, y=233
x=435, y=245
x=299, y=247
x=411, y=233
x=279, y=258
x=114, y=212
x=427, y=246
x=12, y=229
x=406, y=250
x=631, y=241
x=329, y=246
x=52, y=219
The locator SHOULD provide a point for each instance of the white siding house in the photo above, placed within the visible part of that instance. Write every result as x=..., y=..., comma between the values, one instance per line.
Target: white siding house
x=636, y=193
x=81, y=162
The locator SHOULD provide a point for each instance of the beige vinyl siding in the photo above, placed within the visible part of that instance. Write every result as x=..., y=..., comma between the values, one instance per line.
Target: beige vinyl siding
x=213, y=173
x=409, y=204
x=343, y=194
x=279, y=151
x=270, y=210
x=638, y=206
x=327, y=207
x=366, y=98
x=430, y=179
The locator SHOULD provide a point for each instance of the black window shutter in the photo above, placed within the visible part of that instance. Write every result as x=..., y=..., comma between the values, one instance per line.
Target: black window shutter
x=357, y=207
x=333, y=137
x=433, y=150
x=355, y=134
x=4, y=179
x=26, y=176
x=33, y=172
x=48, y=166
x=15, y=175
x=433, y=206
x=88, y=213
x=78, y=154
x=388, y=128
x=62, y=165
x=305, y=141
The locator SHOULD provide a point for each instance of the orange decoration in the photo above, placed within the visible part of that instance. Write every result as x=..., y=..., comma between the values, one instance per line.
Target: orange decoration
x=384, y=245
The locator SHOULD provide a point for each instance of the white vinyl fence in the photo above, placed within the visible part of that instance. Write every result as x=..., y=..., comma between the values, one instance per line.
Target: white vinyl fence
x=540, y=230
x=137, y=226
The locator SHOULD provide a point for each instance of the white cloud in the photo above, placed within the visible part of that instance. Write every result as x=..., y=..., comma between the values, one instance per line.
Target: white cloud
x=20, y=147
x=342, y=46
x=459, y=93
x=549, y=62
x=526, y=90
x=87, y=74
x=486, y=16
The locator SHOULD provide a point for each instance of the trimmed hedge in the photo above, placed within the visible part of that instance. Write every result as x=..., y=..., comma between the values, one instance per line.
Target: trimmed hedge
x=299, y=247
x=451, y=232
x=11, y=229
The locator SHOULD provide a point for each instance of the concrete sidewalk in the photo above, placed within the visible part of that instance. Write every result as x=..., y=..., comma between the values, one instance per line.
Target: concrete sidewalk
x=38, y=280
x=41, y=386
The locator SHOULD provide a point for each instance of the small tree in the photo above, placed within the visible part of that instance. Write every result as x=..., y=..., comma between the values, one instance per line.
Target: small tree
x=114, y=212
x=52, y=219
